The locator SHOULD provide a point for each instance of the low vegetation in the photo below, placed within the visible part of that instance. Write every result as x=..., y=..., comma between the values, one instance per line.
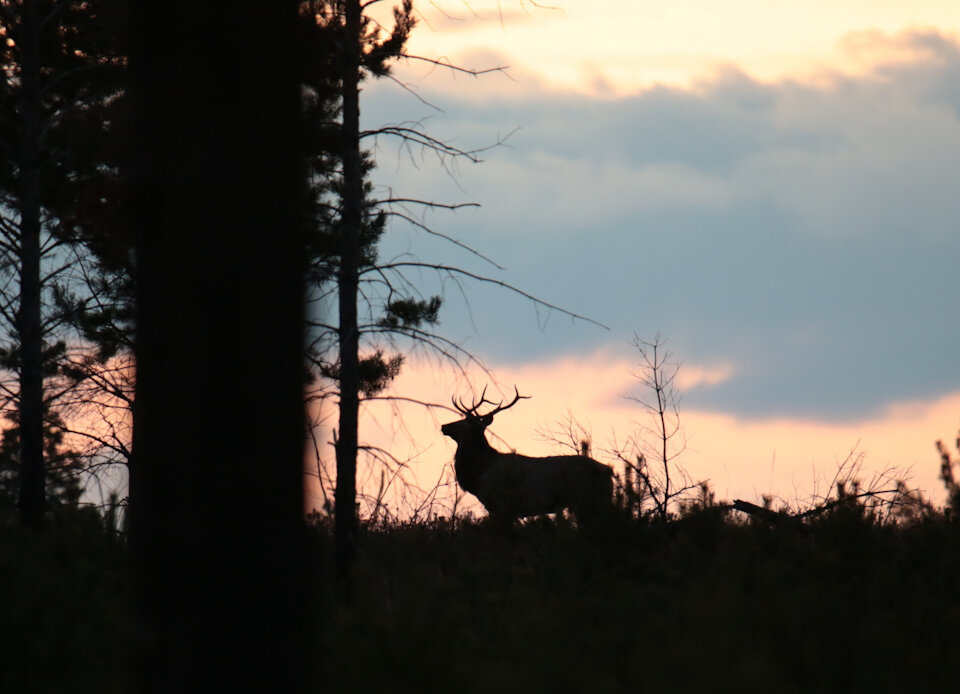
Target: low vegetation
x=855, y=595
x=66, y=612
x=712, y=599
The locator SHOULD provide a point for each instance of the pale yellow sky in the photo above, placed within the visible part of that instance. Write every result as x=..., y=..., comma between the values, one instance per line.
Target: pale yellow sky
x=622, y=46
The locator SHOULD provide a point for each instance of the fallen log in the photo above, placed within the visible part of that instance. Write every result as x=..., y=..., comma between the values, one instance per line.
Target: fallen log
x=774, y=517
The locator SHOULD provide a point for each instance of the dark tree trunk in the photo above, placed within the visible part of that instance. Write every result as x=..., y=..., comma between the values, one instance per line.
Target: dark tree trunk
x=348, y=280
x=216, y=487
x=32, y=493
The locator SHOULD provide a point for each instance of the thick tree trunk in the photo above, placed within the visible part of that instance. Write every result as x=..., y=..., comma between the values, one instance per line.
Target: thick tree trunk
x=216, y=487
x=348, y=279
x=32, y=493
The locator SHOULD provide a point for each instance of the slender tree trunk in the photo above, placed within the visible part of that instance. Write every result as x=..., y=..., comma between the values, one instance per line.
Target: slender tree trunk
x=348, y=279
x=32, y=493
x=217, y=484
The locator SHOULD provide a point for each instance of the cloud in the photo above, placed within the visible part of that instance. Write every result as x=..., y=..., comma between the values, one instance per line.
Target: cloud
x=692, y=376
x=803, y=234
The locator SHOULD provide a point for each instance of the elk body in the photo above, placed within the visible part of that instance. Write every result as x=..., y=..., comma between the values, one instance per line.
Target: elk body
x=510, y=485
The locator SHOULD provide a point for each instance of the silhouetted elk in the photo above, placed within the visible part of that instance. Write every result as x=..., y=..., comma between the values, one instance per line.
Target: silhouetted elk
x=513, y=486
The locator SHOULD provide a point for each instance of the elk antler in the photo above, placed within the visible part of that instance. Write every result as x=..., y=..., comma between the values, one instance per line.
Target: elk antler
x=501, y=407
x=462, y=408
x=472, y=410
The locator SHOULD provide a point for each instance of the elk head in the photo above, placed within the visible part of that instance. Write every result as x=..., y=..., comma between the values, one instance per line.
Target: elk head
x=470, y=429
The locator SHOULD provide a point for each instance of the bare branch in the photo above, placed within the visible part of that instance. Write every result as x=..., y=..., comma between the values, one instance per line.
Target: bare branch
x=414, y=401
x=445, y=63
x=448, y=269
x=455, y=242
x=418, y=137
x=410, y=90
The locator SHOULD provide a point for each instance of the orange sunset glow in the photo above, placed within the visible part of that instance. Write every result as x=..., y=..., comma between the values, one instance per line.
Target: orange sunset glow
x=792, y=460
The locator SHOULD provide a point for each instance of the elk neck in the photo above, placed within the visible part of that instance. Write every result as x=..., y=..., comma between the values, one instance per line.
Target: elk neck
x=473, y=457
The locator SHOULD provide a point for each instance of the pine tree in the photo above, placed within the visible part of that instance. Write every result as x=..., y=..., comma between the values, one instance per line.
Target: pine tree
x=59, y=65
x=377, y=305
x=344, y=47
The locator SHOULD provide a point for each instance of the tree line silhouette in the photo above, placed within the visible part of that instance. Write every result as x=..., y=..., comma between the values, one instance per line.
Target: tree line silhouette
x=158, y=219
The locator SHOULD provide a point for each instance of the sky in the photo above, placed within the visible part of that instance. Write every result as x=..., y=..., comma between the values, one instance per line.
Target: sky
x=769, y=186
